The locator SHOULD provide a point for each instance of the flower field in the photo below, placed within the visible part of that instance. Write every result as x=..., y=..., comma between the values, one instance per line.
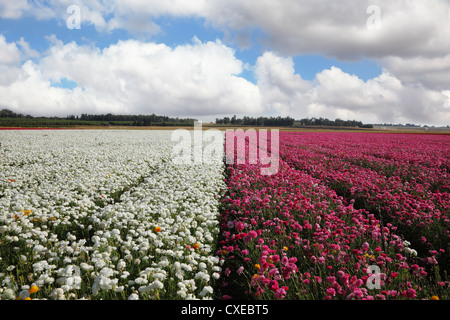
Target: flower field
x=108, y=215
x=105, y=215
x=348, y=216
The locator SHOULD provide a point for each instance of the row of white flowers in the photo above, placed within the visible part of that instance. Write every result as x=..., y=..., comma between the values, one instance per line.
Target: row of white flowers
x=106, y=215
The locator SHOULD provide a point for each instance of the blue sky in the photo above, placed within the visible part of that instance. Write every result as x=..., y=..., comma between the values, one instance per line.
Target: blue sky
x=208, y=59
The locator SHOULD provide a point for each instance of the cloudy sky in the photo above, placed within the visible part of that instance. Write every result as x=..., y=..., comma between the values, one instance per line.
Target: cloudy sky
x=375, y=61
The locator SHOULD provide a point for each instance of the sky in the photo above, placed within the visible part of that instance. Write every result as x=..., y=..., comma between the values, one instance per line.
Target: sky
x=375, y=61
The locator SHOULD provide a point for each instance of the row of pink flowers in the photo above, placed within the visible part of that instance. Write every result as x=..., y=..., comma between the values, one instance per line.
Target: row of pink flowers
x=290, y=236
x=409, y=199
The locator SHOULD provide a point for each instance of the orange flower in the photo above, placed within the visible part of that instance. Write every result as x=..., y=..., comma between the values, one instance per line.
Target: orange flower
x=157, y=229
x=196, y=246
x=434, y=298
x=33, y=289
x=27, y=298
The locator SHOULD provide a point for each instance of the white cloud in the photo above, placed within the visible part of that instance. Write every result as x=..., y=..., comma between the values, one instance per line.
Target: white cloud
x=201, y=79
x=339, y=28
x=335, y=28
x=336, y=94
x=282, y=90
x=9, y=53
x=134, y=77
x=433, y=72
x=13, y=9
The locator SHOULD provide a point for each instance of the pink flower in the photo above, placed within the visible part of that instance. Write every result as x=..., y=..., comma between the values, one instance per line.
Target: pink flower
x=409, y=293
x=239, y=225
x=358, y=293
x=331, y=292
x=240, y=270
x=273, y=285
x=280, y=293
x=273, y=272
x=253, y=234
x=331, y=279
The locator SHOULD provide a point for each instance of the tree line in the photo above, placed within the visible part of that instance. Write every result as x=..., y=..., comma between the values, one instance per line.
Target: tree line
x=335, y=123
x=9, y=118
x=136, y=120
x=289, y=122
x=258, y=121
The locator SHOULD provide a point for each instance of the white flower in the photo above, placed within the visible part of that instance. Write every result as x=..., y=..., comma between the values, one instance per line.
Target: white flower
x=206, y=290
x=107, y=272
x=157, y=284
x=140, y=281
x=100, y=264
x=216, y=275
x=202, y=276
x=182, y=293
x=40, y=266
x=133, y=296
x=57, y=294
x=86, y=266
x=121, y=265
x=8, y=294
x=119, y=289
